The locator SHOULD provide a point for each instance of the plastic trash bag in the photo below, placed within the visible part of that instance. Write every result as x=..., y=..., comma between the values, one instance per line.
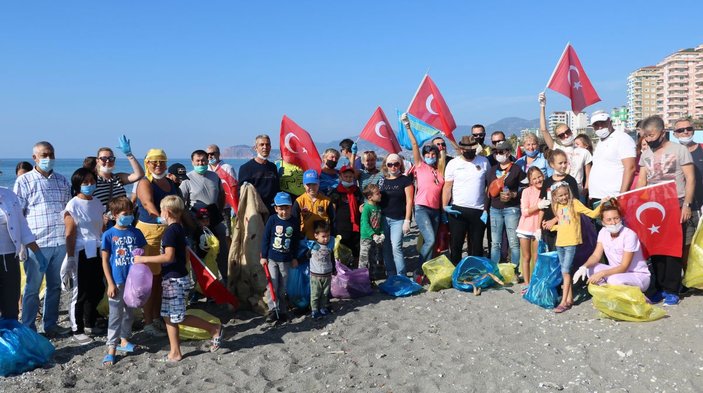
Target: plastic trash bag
x=343, y=253
x=474, y=272
x=298, y=285
x=544, y=281
x=589, y=238
x=193, y=333
x=507, y=271
x=350, y=283
x=137, y=287
x=624, y=303
x=400, y=286
x=21, y=348
x=694, y=269
x=439, y=271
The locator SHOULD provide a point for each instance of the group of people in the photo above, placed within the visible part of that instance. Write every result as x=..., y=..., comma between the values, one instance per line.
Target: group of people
x=84, y=233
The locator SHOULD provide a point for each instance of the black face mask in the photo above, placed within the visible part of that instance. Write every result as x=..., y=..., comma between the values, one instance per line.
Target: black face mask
x=469, y=154
x=331, y=164
x=479, y=139
x=654, y=145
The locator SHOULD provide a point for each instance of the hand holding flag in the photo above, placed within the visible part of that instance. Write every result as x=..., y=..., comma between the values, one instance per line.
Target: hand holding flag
x=570, y=79
x=429, y=106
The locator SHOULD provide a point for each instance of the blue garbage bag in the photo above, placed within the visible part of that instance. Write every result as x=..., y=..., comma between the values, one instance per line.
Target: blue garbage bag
x=473, y=271
x=544, y=281
x=298, y=285
x=21, y=348
x=400, y=286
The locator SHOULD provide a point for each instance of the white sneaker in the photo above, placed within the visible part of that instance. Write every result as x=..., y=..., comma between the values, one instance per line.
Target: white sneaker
x=151, y=330
x=82, y=339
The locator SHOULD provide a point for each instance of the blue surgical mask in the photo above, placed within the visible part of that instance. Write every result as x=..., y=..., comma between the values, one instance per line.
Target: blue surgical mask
x=532, y=154
x=200, y=169
x=88, y=190
x=46, y=164
x=212, y=161
x=430, y=160
x=347, y=184
x=125, y=221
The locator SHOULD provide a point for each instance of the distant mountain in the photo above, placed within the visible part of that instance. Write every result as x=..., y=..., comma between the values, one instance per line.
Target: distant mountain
x=512, y=125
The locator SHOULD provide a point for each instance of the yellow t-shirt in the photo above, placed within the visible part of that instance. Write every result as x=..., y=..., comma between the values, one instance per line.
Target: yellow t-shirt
x=312, y=211
x=568, y=227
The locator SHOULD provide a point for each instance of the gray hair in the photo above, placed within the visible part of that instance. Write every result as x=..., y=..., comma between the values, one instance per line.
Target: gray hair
x=46, y=144
x=213, y=147
x=682, y=120
x=655, y=122
x=262, y=136
x=332, y=150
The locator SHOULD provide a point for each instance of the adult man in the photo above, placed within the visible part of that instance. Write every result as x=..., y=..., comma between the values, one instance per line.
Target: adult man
x=463, y=198
x=177, y=173
x=613, y=160
x=261, y=173
x=229, y=179
x=349, y=149
x=683, y=131
x=203, y=189
x=662, y=162
x=43, y=195
x=478, y=131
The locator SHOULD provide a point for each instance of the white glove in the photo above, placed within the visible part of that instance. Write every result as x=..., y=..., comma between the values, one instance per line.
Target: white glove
x=203, y=242
x=379, y=238
x=538, y=235
x=69, y=268
x=543, y=203
x=404, y=118
x=542, y=98
x=406, y=227
x=582, y=272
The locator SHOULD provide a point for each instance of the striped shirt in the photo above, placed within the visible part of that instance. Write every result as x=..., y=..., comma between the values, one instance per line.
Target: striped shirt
x=42, y=200
x=102, y=189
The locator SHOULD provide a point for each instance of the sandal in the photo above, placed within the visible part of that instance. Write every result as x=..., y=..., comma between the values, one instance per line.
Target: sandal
x=108, y=360
x=217, y=340
x=130, y=347
x=561, y=308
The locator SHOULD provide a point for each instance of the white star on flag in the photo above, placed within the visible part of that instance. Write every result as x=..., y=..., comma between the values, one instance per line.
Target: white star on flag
x=654, y=229
x=577, y=85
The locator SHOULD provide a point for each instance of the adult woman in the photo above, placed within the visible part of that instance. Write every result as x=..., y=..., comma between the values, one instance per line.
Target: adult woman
x=396, y=206
x=111, y=185
x=533, y=156
x=154, y=187
x=503, y=181
x=626, y=264
x=329, y=176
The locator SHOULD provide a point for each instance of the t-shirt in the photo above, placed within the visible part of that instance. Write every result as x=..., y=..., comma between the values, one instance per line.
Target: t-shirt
x=512, y=181
x=88, y=216
x=120, y=243
x=371, y=221
x=264, y=177
x=174, y=236
x=568, y=228
x=578, y=158
x=429, y=184
x=547, y=193
x=697, y=156
x=201, y=190
x=321, y=258
x=607, y=170
x=366, y=178
x=393, y=197
x=666, y=164
x=328, y=182
x=529, y=223
x=281, y=238
x=626, y=241
x=102, y=189
x=469, y=187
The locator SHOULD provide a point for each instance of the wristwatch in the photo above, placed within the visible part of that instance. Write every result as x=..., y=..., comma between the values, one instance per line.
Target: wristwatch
x=688, y=205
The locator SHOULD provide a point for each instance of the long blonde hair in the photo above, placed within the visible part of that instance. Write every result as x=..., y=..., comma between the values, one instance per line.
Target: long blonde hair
x=569, y=203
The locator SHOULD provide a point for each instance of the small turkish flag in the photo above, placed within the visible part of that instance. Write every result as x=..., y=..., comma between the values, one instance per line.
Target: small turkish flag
x=428, y=105
x=209, y=284
x=653, y=213
x=230, y=186
x=570, y=79
x=379, y=132
x=297, y=147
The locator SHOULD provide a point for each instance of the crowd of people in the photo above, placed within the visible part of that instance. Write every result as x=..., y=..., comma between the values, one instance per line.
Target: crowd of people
x=83, y=233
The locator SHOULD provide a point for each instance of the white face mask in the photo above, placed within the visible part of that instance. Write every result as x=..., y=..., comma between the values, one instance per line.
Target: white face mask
x=614, y=229
x=106, y=169
x=501, y=158
x=158, y=177
x=603, y=132
x=686, y=140
x=259, y=156
x=569, y=141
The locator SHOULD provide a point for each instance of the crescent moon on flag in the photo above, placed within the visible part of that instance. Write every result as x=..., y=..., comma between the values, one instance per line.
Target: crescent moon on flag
x=650, y=205
x=568, y=74
x=428, y=104
x=378, y=129
x=286, y=141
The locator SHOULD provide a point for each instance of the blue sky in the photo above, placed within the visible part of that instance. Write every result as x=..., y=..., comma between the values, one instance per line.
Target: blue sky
x=181, y=75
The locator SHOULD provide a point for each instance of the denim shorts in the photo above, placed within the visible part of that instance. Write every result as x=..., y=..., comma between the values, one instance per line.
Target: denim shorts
x=566, y=257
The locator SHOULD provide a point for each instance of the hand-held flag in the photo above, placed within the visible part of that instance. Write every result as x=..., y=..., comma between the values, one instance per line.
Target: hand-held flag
x=422, y=131
x=297, y=147
x=230, y=186
x=570, y=79
x=429, y=106
x=379, y=132
x=208, y=282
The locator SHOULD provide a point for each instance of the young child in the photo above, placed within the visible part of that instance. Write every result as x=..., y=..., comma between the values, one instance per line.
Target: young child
x=371, y=245
x=347, y=198
x=567, y=210
x=528, y=229
x=119, y=245
x=312, y=205
x=321, y=269
x=559, y=162
x=175, y=280
x=279, y=248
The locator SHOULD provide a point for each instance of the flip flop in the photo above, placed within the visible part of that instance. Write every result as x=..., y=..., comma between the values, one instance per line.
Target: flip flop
x=561, y=308
x=108, y=360
x=165, y=359
x=217, y=340
x=127, y=348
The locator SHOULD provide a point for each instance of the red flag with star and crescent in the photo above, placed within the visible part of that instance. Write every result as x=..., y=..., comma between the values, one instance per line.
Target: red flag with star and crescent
x=208, y=282
x=379, y=132
x=429, y=106
x=570, y=79
x=653, y=213
x=297, y=147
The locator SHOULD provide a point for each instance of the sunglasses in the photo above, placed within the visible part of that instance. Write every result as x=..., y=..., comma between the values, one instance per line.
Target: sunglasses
x=684, y=129
x=107, y=159
x=393, y=165
x=498, y=141
x=565, y=134
x=157, y=163
x=502, y=152
x=481, y=135
x=213, y=154
x=441, y=144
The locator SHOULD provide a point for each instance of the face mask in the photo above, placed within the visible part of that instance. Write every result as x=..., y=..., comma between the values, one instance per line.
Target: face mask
x=212, y=161
x=479, y=139
x=125, y=221
x=686, y=141
x=46, y=164
x=569, y=141
x=331, y=164
x=259, y=156
x=603, y=132
x=430, y=160
x=532, y=154
x=347, y=184
x=469, y=154
x=158, y=177
x=200, y=169
x=501, y=158
x=655, y=144
x=88, y=190
x=394, y=171
x=613, y=229
x=106, y=169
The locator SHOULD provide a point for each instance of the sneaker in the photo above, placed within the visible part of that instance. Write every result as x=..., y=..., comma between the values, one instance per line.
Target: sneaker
x=324, y=311
x=656, y=297
x=57, y=330
x=82, y=339
x=151, y=330
x=316, y=314
x=271, y=317
x=95, y=331
x=670, y=299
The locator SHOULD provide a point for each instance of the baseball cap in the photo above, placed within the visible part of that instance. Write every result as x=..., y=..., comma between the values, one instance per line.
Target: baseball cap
x=282, y=199
x=346, y=168
x=311, y=177
x=179, y=171
x=202, y=213
x=504, y=145
x=599, y=116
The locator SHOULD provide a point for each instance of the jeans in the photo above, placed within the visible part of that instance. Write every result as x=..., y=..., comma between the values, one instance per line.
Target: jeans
x=566, y=258
x=427, y=220
x=508, y=217
x=30, y=300
x=393, y=247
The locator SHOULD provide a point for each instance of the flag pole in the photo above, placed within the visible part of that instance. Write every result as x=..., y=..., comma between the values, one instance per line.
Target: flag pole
x=557, y=65
x=644, y=188
x=417, y=91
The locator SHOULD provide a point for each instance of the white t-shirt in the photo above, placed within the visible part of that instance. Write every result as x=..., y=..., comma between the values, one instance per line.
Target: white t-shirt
x=88, y=216
x=469, y=187
x=626, y=241
x=607, y=170
x=578, y=159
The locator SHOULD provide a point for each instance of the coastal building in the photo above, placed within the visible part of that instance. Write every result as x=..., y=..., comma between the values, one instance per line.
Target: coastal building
x=576, y=121
x=642, y=86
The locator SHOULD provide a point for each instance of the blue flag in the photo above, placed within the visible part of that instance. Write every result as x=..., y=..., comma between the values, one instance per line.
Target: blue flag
x=423, y=132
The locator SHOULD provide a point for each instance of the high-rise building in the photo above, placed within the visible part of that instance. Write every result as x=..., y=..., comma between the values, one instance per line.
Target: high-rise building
x=556, y=118
x=642, y=86
x=577, y=122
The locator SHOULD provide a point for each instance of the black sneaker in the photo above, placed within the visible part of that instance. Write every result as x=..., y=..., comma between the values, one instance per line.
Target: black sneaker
x=271, y=317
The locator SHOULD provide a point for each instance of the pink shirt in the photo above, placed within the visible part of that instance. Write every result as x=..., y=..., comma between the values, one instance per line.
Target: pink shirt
x=429, y=186
x=626, y=241
x=529, y=223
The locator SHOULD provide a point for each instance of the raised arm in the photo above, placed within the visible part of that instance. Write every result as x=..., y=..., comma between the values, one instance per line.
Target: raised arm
x=543, y=121
x=137, y=171
x=417, y=157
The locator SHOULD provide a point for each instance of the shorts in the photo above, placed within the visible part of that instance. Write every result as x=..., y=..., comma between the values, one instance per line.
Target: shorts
x=691, y=226
x=525, y=235
x=173, y=299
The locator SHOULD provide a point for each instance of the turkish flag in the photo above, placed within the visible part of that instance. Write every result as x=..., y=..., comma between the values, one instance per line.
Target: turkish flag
x=519, y=153
x=208, y=282
x=428, y=105
x=570, y=79
x=653, y=212
x=379, y=132
x=230, y=186
x=297, y=147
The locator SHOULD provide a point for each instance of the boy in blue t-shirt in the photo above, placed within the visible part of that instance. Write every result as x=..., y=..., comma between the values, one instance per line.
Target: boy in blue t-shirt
x=175, y=280
x=119, y=246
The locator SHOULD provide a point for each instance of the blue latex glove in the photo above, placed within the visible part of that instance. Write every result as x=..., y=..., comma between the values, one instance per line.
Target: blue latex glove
x=484, y=216
x=41, y=261
x=354, y=148
x=160, y=220
x=450, y=210
x=125, y=146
